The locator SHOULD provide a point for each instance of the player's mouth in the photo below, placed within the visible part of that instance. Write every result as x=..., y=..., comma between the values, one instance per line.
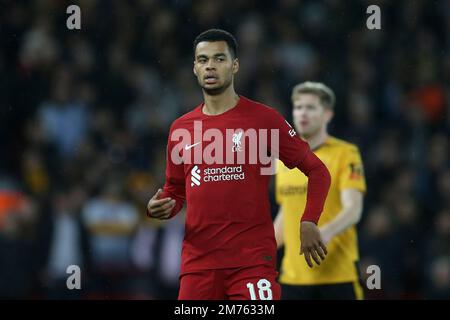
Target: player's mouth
x=211, y=79
x=303, y=123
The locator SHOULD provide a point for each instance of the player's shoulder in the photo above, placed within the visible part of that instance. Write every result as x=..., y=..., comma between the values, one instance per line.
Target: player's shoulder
x=188, y=117
x=343, y=145
x=259, y=107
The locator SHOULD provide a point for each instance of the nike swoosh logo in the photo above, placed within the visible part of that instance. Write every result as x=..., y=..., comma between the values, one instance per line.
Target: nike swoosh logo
x=187, y=147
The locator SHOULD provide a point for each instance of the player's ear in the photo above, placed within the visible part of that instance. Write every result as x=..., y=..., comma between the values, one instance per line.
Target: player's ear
x=193, y=69
x=235, y=65
x=329, y=114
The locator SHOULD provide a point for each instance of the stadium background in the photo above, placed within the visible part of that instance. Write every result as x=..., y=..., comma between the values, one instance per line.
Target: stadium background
x=84, y=119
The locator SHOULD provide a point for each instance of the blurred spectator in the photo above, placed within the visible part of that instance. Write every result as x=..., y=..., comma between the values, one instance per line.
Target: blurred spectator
x=439, y=277
x=382, y=248
x=157, y=253
x=17, y=231
x=170, y=259
x=437, y=282
x=409, y=238
x=443, y=188
x=39, y=47
x=437, y=249
x=438, y=243
x=111, y=224
x=361, y=129
x=63, y=243
x=64, y=119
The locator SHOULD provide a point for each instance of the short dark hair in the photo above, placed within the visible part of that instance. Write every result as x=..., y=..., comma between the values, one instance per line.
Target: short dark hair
x=213, y=35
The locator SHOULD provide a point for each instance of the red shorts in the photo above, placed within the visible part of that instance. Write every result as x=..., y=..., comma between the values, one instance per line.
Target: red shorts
x=243, y=283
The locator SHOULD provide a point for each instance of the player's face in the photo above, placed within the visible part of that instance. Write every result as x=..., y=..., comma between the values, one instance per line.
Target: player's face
x=309, y=115
x=214, y=66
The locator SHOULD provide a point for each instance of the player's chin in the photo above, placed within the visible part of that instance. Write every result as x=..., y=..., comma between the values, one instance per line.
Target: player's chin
x=215, y=85
x=213, y=89
x=304, y=132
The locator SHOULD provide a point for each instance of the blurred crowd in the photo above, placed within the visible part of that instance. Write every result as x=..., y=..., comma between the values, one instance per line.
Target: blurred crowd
x=84, y=118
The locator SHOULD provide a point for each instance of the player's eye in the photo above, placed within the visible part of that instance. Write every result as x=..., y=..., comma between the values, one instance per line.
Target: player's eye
x=220, y=59
x=201, y=60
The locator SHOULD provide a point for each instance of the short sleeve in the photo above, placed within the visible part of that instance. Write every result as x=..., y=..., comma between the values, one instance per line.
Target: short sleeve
x=352, y=171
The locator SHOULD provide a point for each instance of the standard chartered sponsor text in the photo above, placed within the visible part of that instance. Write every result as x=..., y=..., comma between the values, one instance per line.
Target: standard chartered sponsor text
x=223, y=174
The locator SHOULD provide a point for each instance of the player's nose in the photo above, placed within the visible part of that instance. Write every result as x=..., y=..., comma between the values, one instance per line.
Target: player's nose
x=210, y=65
x=302, y=114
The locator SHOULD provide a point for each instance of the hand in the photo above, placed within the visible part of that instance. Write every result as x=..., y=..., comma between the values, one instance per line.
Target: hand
x=312, y=245
x=160, y=208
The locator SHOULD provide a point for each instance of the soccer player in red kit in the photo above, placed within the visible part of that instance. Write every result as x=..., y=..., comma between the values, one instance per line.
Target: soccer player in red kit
x=217, y=163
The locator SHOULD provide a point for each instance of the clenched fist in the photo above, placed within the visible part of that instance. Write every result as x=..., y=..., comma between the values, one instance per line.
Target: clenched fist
x=160, y=208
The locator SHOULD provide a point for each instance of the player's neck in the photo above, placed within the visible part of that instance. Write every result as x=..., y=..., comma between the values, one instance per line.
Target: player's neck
x=317, y=140
x=217, y=104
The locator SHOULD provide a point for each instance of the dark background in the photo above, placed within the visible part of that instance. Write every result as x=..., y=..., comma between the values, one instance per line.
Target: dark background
x=84, y=118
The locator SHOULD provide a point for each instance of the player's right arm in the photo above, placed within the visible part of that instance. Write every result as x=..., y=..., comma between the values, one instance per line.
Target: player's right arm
x=160, y=208
x=167, y=202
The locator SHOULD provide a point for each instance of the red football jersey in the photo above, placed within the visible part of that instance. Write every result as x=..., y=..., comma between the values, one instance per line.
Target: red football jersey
x=215, y=164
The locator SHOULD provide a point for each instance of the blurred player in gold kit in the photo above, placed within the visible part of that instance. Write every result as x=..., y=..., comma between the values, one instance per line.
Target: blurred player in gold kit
x=337, y=276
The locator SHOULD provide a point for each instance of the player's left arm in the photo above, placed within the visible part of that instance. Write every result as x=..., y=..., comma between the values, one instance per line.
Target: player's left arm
x=294, y=152
x=352, y=207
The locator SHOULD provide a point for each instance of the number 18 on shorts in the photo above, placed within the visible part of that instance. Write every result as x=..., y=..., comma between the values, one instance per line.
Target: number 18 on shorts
x=244, y=283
